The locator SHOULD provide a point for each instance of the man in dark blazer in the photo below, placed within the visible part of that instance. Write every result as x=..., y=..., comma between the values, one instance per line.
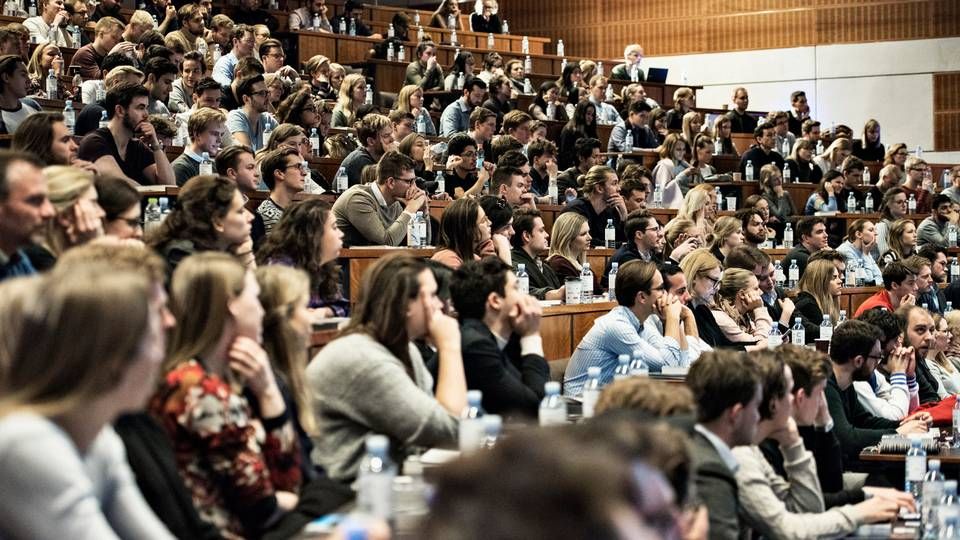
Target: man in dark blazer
x=529, y=243
x=726, y=387
x=500, y=337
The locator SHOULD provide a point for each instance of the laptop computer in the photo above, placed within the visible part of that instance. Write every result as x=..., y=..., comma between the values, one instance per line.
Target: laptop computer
x=657, y=75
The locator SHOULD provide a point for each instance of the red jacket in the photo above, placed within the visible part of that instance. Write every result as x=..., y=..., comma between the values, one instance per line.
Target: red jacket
x=881, y=299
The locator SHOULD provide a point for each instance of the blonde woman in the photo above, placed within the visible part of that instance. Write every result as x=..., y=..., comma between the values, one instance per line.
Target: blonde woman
x=869, y=147
x=819, y=288
x=739, y=311
x=704, y=274
x=953, y=349
x=671, y=163
x=802, y=168
x=938, y=362
x=679, y=230
x=897, y=155
x=317, y=69
x=833, y=156
x=700, y=169
x=352, y=95
x=722, y=127
x=727, y=234
x=568, y=246
x=699, y=206
x=692, y=124
x=64, y=468
x=45, y=57
x=410, y=99
x=902, y=242
x=78, y=220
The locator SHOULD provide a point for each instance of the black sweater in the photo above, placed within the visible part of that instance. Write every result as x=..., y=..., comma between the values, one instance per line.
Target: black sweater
x=855, y=427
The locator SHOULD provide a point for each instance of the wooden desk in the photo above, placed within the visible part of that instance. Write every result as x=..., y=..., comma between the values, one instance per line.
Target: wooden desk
x=501, y=42
x=563, y=327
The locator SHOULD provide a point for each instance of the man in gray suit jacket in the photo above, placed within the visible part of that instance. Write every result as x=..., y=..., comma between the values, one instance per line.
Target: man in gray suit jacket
x=378, y=213
x=726, y=387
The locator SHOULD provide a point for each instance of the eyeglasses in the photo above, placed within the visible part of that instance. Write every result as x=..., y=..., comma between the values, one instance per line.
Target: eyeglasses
x=262, y=93
x=714, y=283
x=654, y=228
x=876, y=357
x=277, y=55
x=407, y=180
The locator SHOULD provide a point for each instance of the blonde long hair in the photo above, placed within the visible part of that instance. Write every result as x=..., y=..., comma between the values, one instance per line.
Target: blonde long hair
x=724, y=227
x=565, y=229
x=816, y=281
x=345, y=100
x=282, y=290
x=403, y=98
x=733, y=281
x=695, y=207
x=66, y=185
x=698, y=263
x=830, y=154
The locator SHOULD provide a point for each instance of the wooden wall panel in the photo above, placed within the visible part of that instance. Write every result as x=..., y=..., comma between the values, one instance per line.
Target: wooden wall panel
x=600, y=28
x=946, y=111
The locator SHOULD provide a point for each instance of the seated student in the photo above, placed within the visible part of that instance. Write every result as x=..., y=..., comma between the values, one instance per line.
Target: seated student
x=424, y=71
x=622, y=331
x=78, y=218
x=245, y=465
x=244, y=43
x=500, y=337
x=812, y=232
x=248, y=123
x=508, y=184
x=499, y=101
x=160, y=74
x=854, y=354
x=465, y=235
x=899, y=288
x=375, y=133
x=50, y=24
x=378, y=213
x=64, y=415
x=753, y=224
x=929, y=291
x=859, y=247
x=852, y=177
x=761, y=153
x=939, y=357
x=120, y=201
x=128, y=147
x=351, y=16
x=901, y=241
x=303, y=17
x=568, y=250
x=645, y=241
x=191, y=71
x=542, y=156
x=90, y=57
x=482, y=129
x=24, y=210
x=635, y=187
x=802, y=168
x=819, y=288
x=465, y=179
x=517, y=125
x=601, y=202
x=635, y=124
x=283, y=171
x=727, y=234
x=740, y=121
x=456, y=117
x=349, y=101
x=236, y=163
x=739, y=311
x=919, y=333
x=294, y=242
x=209, y=216
x=934, y=228
x=530, y=241
x=699, y=206
x=206, y=128
x=588, y=156
x=779, y=306
x=892, y=391
x=726, y=387
x=783, y=508
x=630, y=69
x=45, y=136
x=15, y=106
x=375, y=353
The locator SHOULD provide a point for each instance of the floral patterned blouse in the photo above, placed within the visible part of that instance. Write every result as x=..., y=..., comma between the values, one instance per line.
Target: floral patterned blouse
x=231, y=461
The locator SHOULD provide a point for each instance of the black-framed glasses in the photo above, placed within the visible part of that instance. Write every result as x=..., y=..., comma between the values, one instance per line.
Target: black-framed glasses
x=876, y=357
x=714, y=282
x=654, y=228
x=261, y=93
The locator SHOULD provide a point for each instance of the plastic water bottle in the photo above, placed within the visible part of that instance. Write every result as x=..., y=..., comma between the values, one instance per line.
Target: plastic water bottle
x=608, y=94
x=628, y=140
x=948, y=308
x=461, y=80
x=402, y=54
x=341, y=180
x=826, y=329
x=798, y=335
x=851, y=204
x=793, y=274
x=390, y=53
x=819, y=149
x=527, y=86
x=416, y=18
x=353, y=27
x=69, y=116
x=954, y=270
x=778, y=276
x=919, y=151
x=786, y=173
x=586, y=277
x=553, y=409
x=785, y=148
x=52, y=85
x=600, y=68
x=492, y=425
x=76, y=35
x=952, y=235
x=156, y=23
x=202, y=47
x=506, y=27
x=420, y=33
x=315, y=141
x=563, y=64
x=610, y=235
x=206, y=165
x=623, y=367
x=916, y=467
x=553, y=190
x=948, y=508
x=842, y=318
x=527, y=64
x=151, y=215
x=591, y=391
x=931, y=492
x=748, y=170
x=658, y=196
x=717, y=147
x=104, y=123
x=471, y=423
x=868, y=203
x=850, y=277
x=32, y=8
x=866, y=176
x=945, y=179
x=453, y=38
x=267, y=133
x=413, y=231
x=215, y=56
x=491, y=42
x=375, y=479
x=390, y=31
x=956, y=417
x=612, y=282
x=912, y=204
x=551, y=111
x=368, y=95
x=523, y=279
x=788, y=236
x=343, y=26
x=451, y=21
x=315, y=23
x=441, y=182
x=525, y=45
x=560, y=48
x=637, y=365
x=775, y=339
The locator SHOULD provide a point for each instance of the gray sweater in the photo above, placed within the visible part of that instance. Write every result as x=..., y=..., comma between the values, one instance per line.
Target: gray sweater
x=358, y=388
x=366, y=222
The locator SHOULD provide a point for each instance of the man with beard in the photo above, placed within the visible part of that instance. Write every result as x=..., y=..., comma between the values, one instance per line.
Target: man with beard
x=854, y=354
x=128, y=146
x=24, y=210
x=754, y=226
x=918, y=332
x=928, y=292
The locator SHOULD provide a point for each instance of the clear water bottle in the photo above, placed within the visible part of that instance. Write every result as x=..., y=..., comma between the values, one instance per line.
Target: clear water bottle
x=748, y=171
x=523, y=279
x=368, y=95
x=76, y=35
x=628, y=140
x=612, y=282
x=527, y=86
x=842, y=318
x=151, y=215
x=202, y=47
x=954, y=270
x=413, y=231
x=454, y=40
x=785, y=148
x=69, y=116
x=866, y=176
x=793, y=274
x=551, y=111
x=451, y=21
x=786, y=173
x=52, y=85
x=402, y=54
x=931, y=493
x=798, y=336
x=352, y=30
x=390, y=31
x=104, y=123
x=608, y=94
x=622, y=370
x=586, y=277
x=850, y=275
x=952, y=235
x=912, y=204
x=949, y=505
x=471, y=423
x=315, y=142
x=441, y=182
x=267, y=133
x=525, y=45
x=658, y=196
x=591, y=391
x=851, y=204
x=553, y=409
x=527, y=64
x=919, y=151
x=788, y=236
x=778, y=277
x=637, y=365
x=951, y=529
x=610, y=235
x=563, y=64
x=775, y=338
x=634, y=74
x=826, y=328
x=553, y=190
x=32, y=8
x=215, y=56
x=416, y=18
x=420, y=33
x=492, y=426
x=206, y=164
x=861, y=275
x=342, y=27
x=461, y=80
x=390, y=53
x=491, y=42
x=375, y=479
x=717, y=147
x=945, y=179
x=868, y=203
x=916, y=467
x=560, y=48
x=599, y=68
x=956, y=413
x=506, y=27
x=341, y=180
x=819, y=147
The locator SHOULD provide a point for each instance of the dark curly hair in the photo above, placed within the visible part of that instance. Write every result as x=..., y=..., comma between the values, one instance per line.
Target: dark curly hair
x=298, y=237
x=201, y=199
x=290, y=110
